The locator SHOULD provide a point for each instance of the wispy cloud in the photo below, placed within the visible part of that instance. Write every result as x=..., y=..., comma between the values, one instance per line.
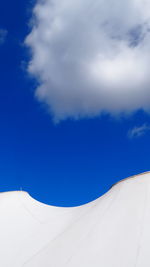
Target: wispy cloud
x=89, y=57
x=3, y=34
x=138, y=131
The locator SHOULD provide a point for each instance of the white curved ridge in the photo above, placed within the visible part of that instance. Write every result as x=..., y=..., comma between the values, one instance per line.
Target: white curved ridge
x=112, y=231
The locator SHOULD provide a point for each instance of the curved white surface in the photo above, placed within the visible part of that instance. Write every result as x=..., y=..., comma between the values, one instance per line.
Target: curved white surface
x=112, y=231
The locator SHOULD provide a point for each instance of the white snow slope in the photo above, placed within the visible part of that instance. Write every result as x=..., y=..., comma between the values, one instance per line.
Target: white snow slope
x=112, y=231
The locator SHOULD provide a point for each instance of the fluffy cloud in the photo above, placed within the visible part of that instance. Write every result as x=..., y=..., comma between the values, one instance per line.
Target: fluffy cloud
x=138, y=131
x=3, y=34
x=91, y=56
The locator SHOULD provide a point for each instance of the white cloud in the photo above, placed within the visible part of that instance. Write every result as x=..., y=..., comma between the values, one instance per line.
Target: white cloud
x=3, y=34
x=91, y=56
x=138, y=131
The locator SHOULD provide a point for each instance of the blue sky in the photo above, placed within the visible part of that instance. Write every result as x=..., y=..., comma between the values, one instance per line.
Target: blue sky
x=65, y=164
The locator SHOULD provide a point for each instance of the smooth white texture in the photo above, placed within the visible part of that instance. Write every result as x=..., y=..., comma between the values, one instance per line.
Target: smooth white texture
x=112, y=231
